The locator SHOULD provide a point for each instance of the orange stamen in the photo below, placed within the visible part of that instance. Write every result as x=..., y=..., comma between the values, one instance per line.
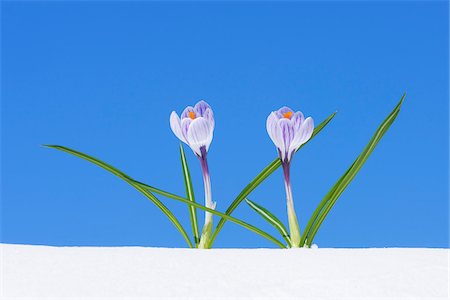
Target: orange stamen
x=288, y=115
x=192, y=115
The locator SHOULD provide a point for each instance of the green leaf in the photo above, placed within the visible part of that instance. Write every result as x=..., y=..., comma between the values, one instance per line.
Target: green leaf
x=275, y=164
x=215, y=212
x=144, y=188
x=189, y=195
x=339, y=187
x=269, y=217
x=131, y=182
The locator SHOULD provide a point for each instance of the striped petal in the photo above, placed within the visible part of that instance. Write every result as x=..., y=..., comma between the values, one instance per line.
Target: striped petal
x=298, y=119
x=273, y=129
x=286, y=135
x=200, y=133
x=185, y=123
x=303, y=135
x=201, y=108
x=175, y=125
x=307, y=129
x=209, y=115
x=280, y=113
x=186, y=111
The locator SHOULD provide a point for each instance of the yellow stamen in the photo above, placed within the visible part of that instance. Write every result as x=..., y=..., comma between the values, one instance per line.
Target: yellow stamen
x=288, y=115
x=192, y=115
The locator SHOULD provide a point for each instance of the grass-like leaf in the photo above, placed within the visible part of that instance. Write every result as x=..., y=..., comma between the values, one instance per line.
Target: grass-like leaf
x=275, y=164
x=147, y=189
x=269, y=217
x=189, y=195
x=131, y=182
x=339, y=187
x=215, y=212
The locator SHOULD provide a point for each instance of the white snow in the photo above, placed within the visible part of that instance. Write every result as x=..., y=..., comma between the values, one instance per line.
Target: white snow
x=42, y=272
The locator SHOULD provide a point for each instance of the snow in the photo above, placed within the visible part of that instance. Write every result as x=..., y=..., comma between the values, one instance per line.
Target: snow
x=43, y=272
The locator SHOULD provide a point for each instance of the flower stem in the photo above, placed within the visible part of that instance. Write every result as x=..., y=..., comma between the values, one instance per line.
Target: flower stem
x=292, y=217
x=207, y=228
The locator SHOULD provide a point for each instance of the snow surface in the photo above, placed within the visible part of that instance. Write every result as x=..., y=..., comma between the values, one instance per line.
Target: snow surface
x=42, y=272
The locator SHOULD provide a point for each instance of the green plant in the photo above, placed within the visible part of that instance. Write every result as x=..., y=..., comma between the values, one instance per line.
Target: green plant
x=193, y=130
x=338, y=188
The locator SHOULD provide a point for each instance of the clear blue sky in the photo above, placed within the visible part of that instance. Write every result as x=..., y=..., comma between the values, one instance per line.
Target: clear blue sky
x=103, y=77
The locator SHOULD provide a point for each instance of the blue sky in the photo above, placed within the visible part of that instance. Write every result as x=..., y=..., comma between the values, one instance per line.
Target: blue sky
x=103, y=77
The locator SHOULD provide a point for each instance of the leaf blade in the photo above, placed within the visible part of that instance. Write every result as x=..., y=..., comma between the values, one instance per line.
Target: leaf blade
x=189, y=195
x=339, y=187
x=130, y=181
x=144, y=187
x=215, y=212
x=271, y=218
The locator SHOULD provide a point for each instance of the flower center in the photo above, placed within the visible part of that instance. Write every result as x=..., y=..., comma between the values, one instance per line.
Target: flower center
x=288, y=115
x=192, y=115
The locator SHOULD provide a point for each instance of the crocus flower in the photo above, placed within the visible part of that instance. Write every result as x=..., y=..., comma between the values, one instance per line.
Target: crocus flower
x=195, y=128
x=288, y=131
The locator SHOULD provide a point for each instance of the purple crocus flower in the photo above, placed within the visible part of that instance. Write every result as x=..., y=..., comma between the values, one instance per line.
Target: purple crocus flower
x=195, y=128
x=288, y=131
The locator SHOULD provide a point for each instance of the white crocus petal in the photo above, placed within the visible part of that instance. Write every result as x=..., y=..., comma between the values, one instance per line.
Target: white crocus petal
x=199, y=134
x=285, y=135
x=209, y=115
x=185, y=123
x=303, y=135
x=186, y=111
x=307, y=129
x=297, y=120
x=274, y=130
x=201, y=108
x=175, y=125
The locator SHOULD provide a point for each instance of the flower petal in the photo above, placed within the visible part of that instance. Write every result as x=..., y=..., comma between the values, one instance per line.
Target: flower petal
x=273, y=129
x=175, y=125
x=307, y=129
x=303, y=135
x=200, y=133
x=185, y=123
x=186, y=111
x=201, y=108
x=209, y=115
x=297, y=118
x=287, y=134
x=280, y=113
